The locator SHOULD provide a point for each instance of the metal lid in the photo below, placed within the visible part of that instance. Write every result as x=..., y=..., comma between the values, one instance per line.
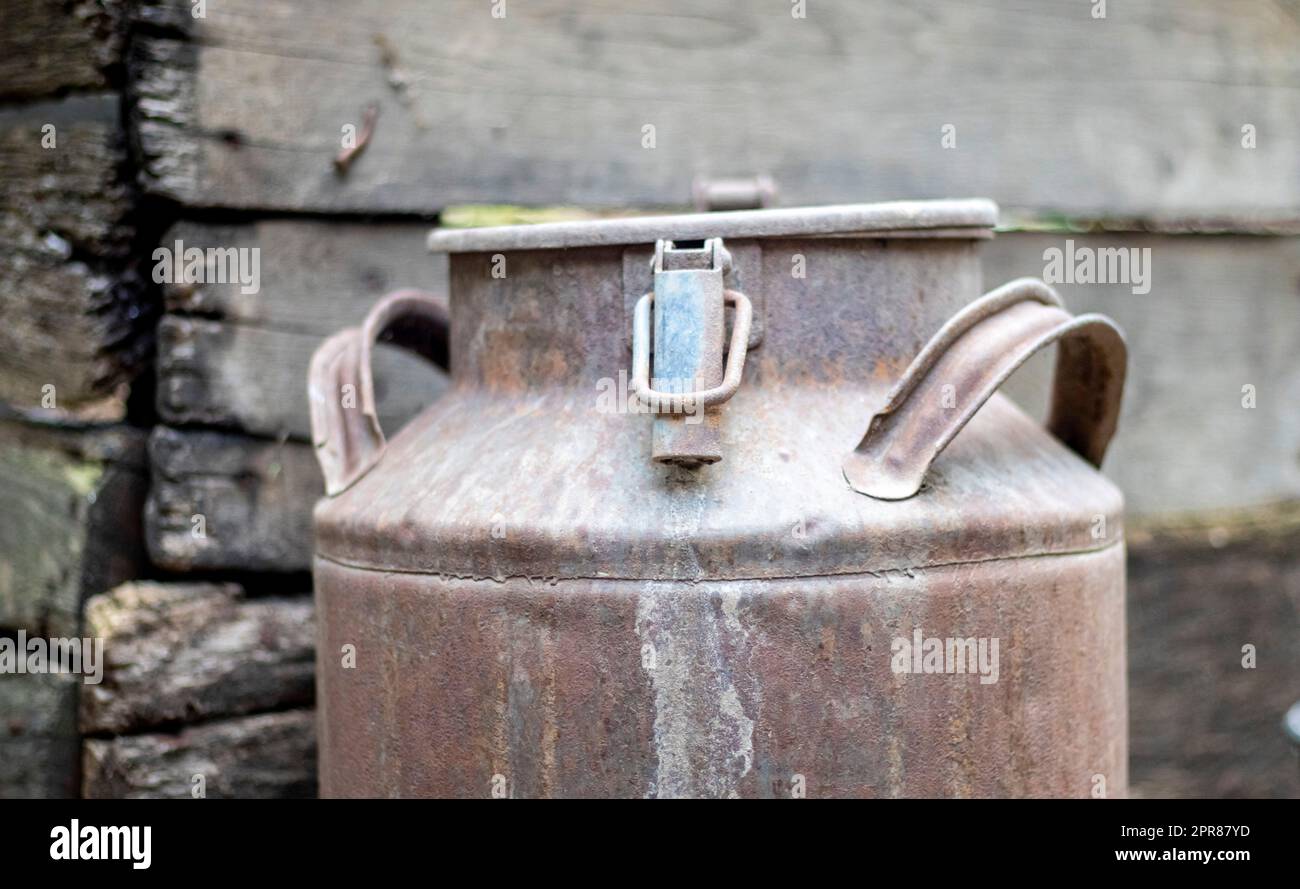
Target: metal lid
x=972, y=218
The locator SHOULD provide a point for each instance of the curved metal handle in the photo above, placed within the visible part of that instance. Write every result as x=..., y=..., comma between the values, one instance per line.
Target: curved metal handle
x=340, y=384
x=965, y=363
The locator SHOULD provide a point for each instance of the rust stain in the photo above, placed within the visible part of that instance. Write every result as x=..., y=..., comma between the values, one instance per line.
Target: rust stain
x=560, y=610
x=344, y=159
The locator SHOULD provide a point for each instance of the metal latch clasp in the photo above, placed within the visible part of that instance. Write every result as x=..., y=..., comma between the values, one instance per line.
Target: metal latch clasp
x=689, y=301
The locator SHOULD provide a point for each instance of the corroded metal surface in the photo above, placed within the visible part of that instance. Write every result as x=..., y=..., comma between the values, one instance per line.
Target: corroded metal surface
x=538, y=609
x=973, y=218
x=529, y=442
x=640, y=688
x=341, y=389
x=965, y=363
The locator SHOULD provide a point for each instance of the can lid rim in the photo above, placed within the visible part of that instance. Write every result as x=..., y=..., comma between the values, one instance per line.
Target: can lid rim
x=973, y=217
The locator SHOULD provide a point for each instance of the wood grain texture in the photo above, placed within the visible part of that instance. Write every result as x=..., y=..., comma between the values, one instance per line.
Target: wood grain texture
x=179, y=653
x=255, y=498
x=1202, y=725
x=72, y=502
x=236, y=360
x=1223, y=312
x=239, y=360
x=72, y=188
x=255, y=379
x=317, y=276
x=268, y=756
x=1138, y=113
x=73, y=312
x=48, y=47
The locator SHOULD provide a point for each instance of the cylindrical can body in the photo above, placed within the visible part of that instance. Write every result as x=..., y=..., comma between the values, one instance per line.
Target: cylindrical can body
x=516, y=599
x=467, y=688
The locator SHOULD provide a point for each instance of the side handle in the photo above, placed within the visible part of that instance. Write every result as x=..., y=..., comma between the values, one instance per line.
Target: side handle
x=340, y=385
x=965, y=363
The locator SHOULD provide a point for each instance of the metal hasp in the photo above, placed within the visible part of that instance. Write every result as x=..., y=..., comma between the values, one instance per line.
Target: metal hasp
x=689, y=303
x=539, y=610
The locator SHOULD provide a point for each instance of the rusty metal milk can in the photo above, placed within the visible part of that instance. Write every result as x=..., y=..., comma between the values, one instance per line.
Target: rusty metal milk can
x=724, y=505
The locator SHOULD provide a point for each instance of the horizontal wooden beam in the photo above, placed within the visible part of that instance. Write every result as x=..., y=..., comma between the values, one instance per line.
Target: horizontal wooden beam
x=72, y=501
x=75, y=322
x=48, y=47
x=270, y=755
x=179, y=653
x=1220, y=312
x=239, y=359
x=220, y=501
x=1206, y=719
x=314, y=276
x=1034, y=103
x=255, y=380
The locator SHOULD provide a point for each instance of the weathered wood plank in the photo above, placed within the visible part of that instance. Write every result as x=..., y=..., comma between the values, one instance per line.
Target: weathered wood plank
x=72, y=337
x=72, y=307
x=272, y=755
x=178, y=653
x=239, y=360
x=1203, y=725
x=72, y=501
x=316, y=277
x=39, y=744
x=255, y=379
x=1140, y=112
x=221, y=501
x=72, y=186
x=50, y=46
x=1222, y=313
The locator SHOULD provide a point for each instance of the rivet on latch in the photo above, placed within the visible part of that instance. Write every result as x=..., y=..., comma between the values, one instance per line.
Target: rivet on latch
x=689, y=303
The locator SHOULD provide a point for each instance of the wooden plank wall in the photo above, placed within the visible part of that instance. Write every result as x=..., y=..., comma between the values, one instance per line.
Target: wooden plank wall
x=75, y=325
x=1124, y=132
x=51, y=47
x=1172, y=125
x=1223, y=313
x=75, y=331
x=1053, y=109
x=1131, y=124
x=169, y=665
x=239, y=360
